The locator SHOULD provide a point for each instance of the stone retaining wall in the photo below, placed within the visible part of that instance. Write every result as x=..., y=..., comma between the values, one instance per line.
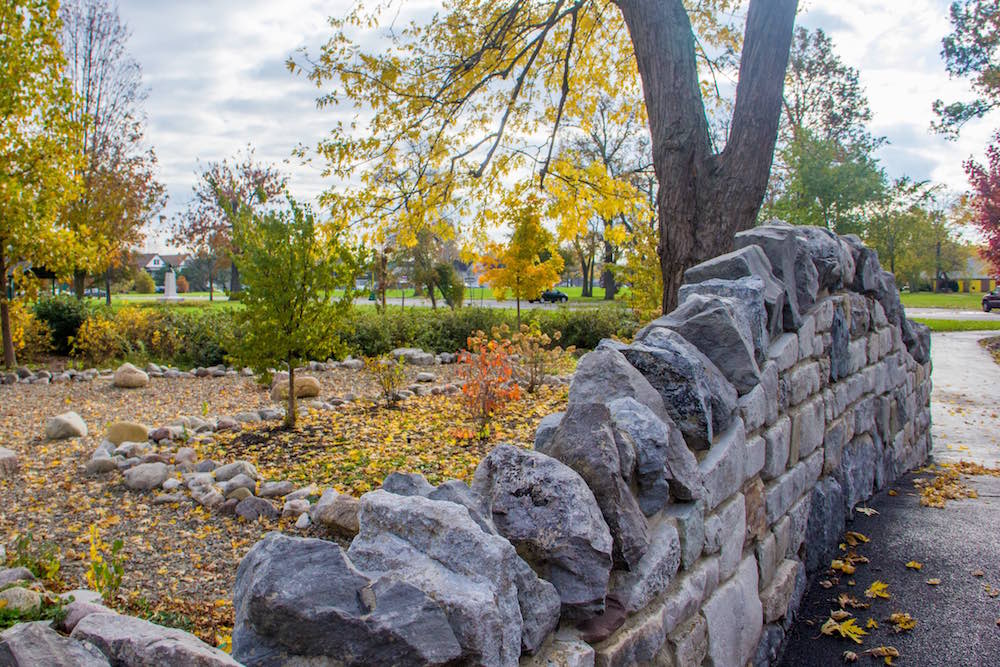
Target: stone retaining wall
x=668, y=517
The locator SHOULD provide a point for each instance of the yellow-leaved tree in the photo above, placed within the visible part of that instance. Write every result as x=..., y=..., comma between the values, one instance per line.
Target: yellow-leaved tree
x=36, y=155
x=529, y=262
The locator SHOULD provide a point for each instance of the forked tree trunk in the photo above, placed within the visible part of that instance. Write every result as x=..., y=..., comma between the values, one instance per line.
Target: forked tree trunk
x=704, y=197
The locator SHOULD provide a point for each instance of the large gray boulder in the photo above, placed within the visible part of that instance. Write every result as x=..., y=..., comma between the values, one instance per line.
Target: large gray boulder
x=746, y=297
x=887, y=294
x=791, y=264
x=413, y=356
x=605, y=374
x=585, y=441
x=917, y=339
x=36, y=644
x=146, y=476
x=551, y=517
x=662, y=464
x=337, y=513
x=127, y=640
x=749, y=261
x=300, y=600
x=711, y=324
x=475, y=576
x=867, y=270
x=699, y=399
x=66, y=425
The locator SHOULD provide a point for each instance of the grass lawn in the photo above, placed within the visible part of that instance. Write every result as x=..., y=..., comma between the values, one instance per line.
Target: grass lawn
x=960, y=325
x=958, y=301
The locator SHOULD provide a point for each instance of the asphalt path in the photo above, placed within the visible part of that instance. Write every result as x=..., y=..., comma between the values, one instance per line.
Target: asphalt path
x=957, y=620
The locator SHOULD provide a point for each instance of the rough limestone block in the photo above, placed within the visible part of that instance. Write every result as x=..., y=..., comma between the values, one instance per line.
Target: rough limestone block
x=790, y=263
x=756, y=510
x=636, y=642
x=784, y=351
x=798, y=517
x=807, y=337
x=808, y=427
x=753, y=408
x=746, y=298
x=768, y=558
x=857, y=471
x=722, y=468
x=689, y=590
x=777, y=443
x=833, y=445
x=724, y=533
x=734, y=617
x=857, y=355
x=689, y=642
x=561, y=653
x=690, y=522
x=823, y=313
x=637, y=588
x=756, y=455
x=826, y=522
x=804, y=381
x=776, y=597
x=769, y=382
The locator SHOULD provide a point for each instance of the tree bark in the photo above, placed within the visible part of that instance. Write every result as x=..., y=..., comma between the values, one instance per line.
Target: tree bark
x=107, y=286
x=9, y=357
x=234, y=278
x=79, y=283
x=608, y=281
x=290, y=413
x=704, y=198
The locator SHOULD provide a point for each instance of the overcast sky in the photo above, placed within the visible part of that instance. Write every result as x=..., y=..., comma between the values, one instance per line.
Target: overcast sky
x=217, y=81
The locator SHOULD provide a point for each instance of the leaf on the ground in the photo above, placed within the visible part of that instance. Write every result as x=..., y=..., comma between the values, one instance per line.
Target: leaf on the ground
x=978, y=573
x=914, y=565
x=840, y=614
x=848, y=600
x=902, y=621
x=992, y=592
x=848, y=629
x=854, y=538
x=826, y=583
x=850, y=656
x=934, y=582
x=878, y=589
x=872, y=624
x=867, y=511
x=892, y=492
x=887, y=653
x=842, y=566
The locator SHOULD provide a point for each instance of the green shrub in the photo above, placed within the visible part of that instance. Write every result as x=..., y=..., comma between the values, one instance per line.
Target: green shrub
x=63, y=315
x=144, y=283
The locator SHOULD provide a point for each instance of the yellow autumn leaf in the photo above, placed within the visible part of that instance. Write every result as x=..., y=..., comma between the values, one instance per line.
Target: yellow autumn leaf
x=872, y=624
x=914, y=565
x=867, y=511
x=934, y=582
x=841, y=566
x=902, y=621
x=840, y=615
x=854, y=538
x=850, y=656
x=878, y=589
x=848, y=629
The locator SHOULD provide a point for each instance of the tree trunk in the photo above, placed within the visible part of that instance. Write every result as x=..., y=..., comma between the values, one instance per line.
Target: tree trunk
x=608, y=281
x=705, y=198
x=234, y=278
x=430, y=290
x=79, y=283
x=107, y=286
x=9, y=358
x=290, y=412
x=584, y=271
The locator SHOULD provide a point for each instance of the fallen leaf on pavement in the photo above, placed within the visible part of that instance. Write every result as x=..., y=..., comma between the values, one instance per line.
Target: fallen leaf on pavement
x=934, y=582
x=914, y=565
x=902, y=621
x=848, y=629
x=878, y=589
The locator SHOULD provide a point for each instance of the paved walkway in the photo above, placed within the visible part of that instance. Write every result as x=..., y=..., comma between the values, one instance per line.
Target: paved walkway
x=951, y=314
x=957, y=620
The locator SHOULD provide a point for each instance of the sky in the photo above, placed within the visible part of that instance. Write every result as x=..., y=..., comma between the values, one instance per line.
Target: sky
x=217, y=81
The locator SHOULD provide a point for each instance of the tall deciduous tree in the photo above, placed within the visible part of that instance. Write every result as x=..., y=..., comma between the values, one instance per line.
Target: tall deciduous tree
x=223, y=189
x=119, y=190
x=36, y=139
x=971, y=51
x=472, y=87
x=985, y=200
x=293, y=266
x=530, y=261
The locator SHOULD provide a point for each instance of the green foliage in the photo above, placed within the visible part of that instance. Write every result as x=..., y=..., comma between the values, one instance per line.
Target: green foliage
x=450, y=284
x=52, y=610
x=971, y=51
x=144, y=283
x=537, y=356
x=106, y=565
x=63, y=315
x=42, y=559
x=959, y=325
x=141, y=607
x=641, y=272
x=389, y=373
x=292, y=266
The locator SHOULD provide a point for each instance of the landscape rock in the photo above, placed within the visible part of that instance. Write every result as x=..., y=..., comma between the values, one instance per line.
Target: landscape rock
x=21, y=600
x=305, y=387
x=790, y=263
x=146, y=476
x=406, y=484
x=831, y=257
x=337, y=512
x=126, y=640
x=551, y=517
x=414, y=356
x=437, y=547
x=66, y=425
x=302, y=600
x=120, y=432
x=77, y=610
x=12, y=575
x=231, y=470
x=275, y=489
x=605, y=374
x=746, y=296
x=546, y=429
x=253, y=508
x=585, y=441
x=36, y=645
x=293, y=509
x=426, y=377
x=10, y=463
x=129, y=377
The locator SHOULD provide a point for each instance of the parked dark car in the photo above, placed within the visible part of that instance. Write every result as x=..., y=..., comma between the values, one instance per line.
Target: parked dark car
x=551, y=296
x=991, y=300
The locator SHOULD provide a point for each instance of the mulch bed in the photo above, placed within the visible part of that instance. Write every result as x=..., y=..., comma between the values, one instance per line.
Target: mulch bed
x=992, y=346
x=181, y=559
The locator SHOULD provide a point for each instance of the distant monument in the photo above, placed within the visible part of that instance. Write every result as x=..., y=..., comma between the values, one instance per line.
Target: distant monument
x=170, y=286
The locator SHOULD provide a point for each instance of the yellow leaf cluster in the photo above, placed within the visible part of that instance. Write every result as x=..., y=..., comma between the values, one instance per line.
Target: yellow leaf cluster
x=847, y=629
x=878, y=589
